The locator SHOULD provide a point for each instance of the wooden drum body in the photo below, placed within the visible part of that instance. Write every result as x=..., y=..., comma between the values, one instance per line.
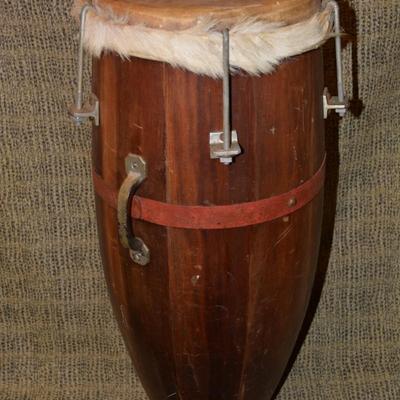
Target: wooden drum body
x=216, y=313
x=209, y=191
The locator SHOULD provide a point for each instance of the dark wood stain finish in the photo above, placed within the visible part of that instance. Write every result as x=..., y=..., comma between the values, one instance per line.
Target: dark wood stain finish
x=216, y=314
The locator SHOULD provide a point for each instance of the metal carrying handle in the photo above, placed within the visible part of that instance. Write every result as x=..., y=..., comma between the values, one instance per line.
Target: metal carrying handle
x=137, y=173
x=339, y=103
x=225, y=145
x=80, y=112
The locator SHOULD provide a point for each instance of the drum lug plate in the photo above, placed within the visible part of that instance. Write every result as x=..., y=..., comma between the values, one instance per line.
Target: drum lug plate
x=90, y=110
x=333, y=103
x=217, y=147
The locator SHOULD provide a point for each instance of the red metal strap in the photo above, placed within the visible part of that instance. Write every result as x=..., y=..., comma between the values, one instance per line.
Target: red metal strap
x=218, y=217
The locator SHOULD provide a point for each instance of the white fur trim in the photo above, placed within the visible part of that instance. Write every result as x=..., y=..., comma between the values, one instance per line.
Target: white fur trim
x=257, y=46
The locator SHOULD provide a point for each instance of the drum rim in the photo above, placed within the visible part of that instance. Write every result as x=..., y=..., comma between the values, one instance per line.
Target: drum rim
x=177, y=17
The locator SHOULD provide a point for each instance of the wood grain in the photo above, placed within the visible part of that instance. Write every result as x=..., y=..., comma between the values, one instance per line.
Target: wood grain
x=216, y=314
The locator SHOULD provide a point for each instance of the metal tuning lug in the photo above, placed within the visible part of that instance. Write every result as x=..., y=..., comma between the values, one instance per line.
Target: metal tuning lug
x=79, y=111
x=333, y=103
x=225, y=145
x=337, y=103
x=90, y=109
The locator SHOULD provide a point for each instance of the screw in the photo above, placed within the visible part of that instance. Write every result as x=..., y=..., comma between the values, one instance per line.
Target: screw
x=292, y=202
x=195, y=279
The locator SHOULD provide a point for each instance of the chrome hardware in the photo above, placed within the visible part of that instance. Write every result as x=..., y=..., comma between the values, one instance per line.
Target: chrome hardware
x=338, y=103
x=225, y=145
x=91, y=109
x=217, y=141
x=136, y=173
x=80, y=112
x=333, y=103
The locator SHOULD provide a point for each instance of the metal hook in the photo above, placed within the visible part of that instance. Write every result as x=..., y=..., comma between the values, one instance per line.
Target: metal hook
x=224, y=145
x=339, y=103
x=79, y=111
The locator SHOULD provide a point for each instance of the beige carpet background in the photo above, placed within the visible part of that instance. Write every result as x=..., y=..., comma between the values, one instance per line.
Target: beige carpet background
x=58, y=339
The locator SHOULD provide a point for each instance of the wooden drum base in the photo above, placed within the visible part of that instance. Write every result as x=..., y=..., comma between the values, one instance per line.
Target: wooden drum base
x=216, y=313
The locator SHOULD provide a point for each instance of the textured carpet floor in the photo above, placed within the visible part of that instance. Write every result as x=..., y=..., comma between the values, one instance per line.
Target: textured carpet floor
x=58, y=339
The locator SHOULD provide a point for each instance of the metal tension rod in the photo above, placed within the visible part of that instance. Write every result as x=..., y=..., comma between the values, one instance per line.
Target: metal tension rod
x=339, y=103
x=227, y=92
x=224, y=145
x=81, y=112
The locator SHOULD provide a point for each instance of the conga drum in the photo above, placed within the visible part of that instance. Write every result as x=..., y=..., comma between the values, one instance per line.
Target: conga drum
x=208, y=169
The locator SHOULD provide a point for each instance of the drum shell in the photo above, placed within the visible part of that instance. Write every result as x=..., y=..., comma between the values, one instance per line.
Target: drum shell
x=216, y=313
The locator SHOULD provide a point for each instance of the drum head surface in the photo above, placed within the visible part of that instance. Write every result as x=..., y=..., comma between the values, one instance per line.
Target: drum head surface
x=182, y=14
